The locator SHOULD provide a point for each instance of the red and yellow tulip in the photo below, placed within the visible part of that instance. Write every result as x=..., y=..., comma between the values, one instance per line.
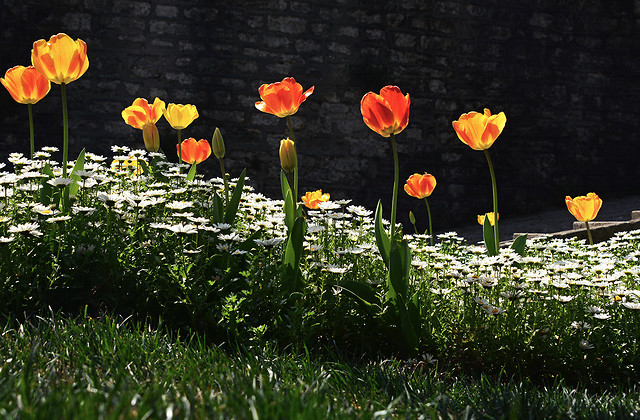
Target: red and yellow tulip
x=282, y=98
x=61, y=59
x=479, y=131
x=26, y=85
x=313, y=199
x=420, y=186
x=194, y=151
x=143, y=116
x=386, y=113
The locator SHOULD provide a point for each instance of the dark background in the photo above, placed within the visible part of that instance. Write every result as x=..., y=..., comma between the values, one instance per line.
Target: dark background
x=566, y=73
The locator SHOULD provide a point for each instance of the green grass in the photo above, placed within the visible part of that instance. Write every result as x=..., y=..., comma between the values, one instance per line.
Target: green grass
x=111, y=367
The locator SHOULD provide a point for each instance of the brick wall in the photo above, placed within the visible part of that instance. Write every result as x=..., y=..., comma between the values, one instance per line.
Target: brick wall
x=565, y=73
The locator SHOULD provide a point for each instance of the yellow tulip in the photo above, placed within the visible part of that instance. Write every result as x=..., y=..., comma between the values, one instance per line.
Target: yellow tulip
x=61, y=59
x=180, y=116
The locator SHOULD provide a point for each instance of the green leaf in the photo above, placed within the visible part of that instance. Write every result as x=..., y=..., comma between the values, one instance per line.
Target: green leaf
x=362, y=291
x=289, y=211
x=519, y=244
x=46, y=191
x=284, y=183
x=78, y=166
x=232, y=206
x=408, y=329
x=192, y=172
x=489, y=238
x=218, y=208
x=291, y=275
x=399, y=266
x=382, y=239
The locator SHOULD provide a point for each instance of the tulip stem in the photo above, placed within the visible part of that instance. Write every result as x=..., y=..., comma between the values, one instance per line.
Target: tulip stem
x=179, y=149
x=430, y=226
x=226, y=184
x=65, y=130
x=589, y=233
x=31, y=135
x=65, y=144
x=396, y=176
x=495, y=202
x=295, y=171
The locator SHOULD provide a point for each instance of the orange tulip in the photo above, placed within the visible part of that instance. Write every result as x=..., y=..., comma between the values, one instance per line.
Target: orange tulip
x=140, y=112
x=282, y=98
x=420, y=186
x=386, y=113
x=61, y=59
x=584, y=208
x=194, y=151
x=26, y=84
x=479, y=131
x=313, y=199
x=180, y=116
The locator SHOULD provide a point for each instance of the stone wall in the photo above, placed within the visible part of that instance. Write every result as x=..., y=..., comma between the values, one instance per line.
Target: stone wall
x=565, y=73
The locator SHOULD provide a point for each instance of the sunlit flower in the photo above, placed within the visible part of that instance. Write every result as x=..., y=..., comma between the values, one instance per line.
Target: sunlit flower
x=61, y=59
x=584, y=208
x=386, y=113
x=194, y=151
x=479, y=131
x=282, y=98
x=26, y=85
x=143, y=116
x=420, y=186
x=180, y=116
x=491, y=218
x=313, y=199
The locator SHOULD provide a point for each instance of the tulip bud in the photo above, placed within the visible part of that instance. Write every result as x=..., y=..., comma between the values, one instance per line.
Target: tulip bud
x=151, y=137
x=288, y=157
x=218, y=144
x=412, y=218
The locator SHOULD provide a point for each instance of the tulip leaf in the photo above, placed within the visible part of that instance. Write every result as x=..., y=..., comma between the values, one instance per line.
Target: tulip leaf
x=363, y=292
x=407, y=326
x=382, y=239
x=489, y=238
x=78, y=166
x=218, y=208
x=399, y=266
x=234, y=202
x=284, y=184
x=519, y=244
x=192, y=172
x=46, y=191
x=289, y=211
x=291, y=275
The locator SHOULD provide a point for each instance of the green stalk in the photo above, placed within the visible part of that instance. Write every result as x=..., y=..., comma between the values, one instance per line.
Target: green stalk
x=31, y=135
x=179, y=147
x=295, y=171
x=65, y=147
x=65, y=132
x=226, y=184
x=430, y=227
x=589, y=233
x=495, y=201
x=396, y=176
